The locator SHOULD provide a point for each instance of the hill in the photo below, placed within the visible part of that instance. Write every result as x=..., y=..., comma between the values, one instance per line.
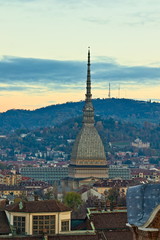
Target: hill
x=123, y=109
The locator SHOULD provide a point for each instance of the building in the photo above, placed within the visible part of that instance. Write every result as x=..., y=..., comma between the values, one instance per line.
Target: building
x=87, y=193
x=51, y=220
x=139, y=144
x=49, y=174
x=16, y=190
x=88, y=157
x=110, y=225
x=151, y=175
x=35, y=217
x=121, y=172
x=20, y=157
x=103, y=186
x=10, y=177
x=143, y=206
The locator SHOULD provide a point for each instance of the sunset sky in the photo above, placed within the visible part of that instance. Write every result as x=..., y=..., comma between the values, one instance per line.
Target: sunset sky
x=44, y=43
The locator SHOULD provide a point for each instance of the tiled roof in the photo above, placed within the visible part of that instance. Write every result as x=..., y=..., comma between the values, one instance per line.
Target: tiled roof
x=111, y=226
x=114, y=183
x=4, y=226
x=108, y=221
x=33, y=183
x=144, y=171
x=83, y=189
x=4, y=187
x=38, y=207
x=118, y=235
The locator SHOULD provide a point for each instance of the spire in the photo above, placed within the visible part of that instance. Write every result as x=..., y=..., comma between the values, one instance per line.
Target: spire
x=88, y=110
x=88, y=85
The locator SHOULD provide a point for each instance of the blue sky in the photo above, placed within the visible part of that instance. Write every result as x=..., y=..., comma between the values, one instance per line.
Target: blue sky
x=44, y=50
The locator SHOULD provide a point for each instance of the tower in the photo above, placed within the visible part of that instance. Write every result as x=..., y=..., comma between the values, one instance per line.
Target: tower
x=88, y=156
x=119, y=88
x=109, y=91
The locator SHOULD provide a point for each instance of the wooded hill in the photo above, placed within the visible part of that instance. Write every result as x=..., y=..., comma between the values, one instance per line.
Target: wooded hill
x=122, y=109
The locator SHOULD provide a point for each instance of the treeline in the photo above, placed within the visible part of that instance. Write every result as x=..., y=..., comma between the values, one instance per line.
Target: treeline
x=121, y=109
x=61, y=137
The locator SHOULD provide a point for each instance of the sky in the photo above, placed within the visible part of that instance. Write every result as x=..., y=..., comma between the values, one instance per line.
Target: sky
x=44, y=44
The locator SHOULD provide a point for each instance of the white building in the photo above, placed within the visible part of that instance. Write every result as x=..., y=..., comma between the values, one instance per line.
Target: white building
x=35, y=217
x=139, y=144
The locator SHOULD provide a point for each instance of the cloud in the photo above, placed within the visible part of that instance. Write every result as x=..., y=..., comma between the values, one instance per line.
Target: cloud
x=136, y=74
x=17, y=88
x=42, y=75
x=149, y=18
x=39, y=71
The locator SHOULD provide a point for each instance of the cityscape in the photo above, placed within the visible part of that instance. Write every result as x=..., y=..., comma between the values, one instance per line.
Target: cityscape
x=79, y=139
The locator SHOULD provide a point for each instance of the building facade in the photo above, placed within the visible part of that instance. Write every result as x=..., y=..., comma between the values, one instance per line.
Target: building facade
x=49, y=174
x=119, y=172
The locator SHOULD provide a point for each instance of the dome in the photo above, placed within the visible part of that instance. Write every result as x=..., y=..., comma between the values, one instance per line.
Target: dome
x=88, y=145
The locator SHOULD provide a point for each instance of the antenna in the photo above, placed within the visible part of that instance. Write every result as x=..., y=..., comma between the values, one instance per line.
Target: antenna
x=119, y=91
x=109, y=92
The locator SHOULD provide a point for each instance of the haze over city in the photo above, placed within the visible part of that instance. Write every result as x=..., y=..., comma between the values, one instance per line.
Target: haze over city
x=44, y=50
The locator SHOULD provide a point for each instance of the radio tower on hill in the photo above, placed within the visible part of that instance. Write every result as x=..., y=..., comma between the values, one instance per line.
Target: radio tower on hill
x=109, y=92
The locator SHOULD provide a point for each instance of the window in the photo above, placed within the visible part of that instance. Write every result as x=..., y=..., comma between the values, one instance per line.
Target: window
x=44, y=223
x=19, y=224
x=65, y=226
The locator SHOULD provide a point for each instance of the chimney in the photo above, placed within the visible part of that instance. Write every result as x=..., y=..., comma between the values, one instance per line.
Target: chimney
x=20, y=205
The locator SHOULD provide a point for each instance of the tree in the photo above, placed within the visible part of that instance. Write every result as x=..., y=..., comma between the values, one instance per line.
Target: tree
x=129, y=162
x=113, y=195
x=121, y=201
x=73, y=200
x=48, y=194
x=52, y=192
x=55, y=190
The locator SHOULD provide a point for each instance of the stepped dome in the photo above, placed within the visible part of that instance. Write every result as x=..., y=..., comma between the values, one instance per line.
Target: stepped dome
x=88, y=145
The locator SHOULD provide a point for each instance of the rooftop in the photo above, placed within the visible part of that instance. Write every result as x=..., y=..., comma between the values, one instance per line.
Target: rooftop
x=38, y=207
x=141, y=201
x=4, y=226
